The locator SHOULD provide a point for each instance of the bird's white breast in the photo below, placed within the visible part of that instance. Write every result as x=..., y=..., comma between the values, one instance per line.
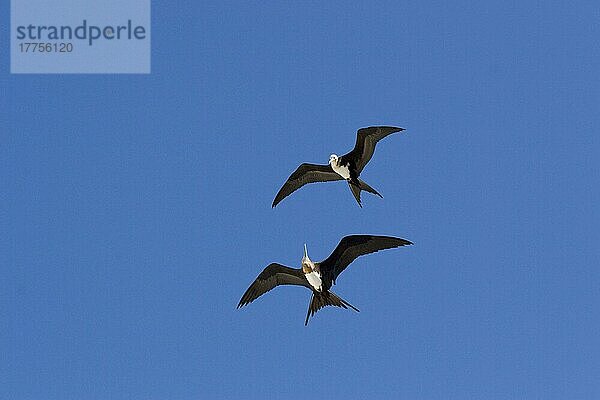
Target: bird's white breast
x=341, y=170
x=314, y=278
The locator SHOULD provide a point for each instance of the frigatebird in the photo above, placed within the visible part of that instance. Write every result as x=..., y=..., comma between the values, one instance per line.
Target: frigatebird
x=348, y=167
x=320, y=276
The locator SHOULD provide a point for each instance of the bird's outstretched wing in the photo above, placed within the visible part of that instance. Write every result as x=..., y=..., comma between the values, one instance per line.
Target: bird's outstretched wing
x=352, y=247
x=273, y=275
x=304, y=174
x=366, y=139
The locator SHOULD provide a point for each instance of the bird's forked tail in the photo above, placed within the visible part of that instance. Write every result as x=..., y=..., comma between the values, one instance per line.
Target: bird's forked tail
x=362, y=185
x=365, y=186
x=319, y=300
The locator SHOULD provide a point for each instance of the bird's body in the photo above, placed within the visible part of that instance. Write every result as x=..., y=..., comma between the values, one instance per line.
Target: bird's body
x=312, y=272
x=314, y=279
x=342, y=170
x=319, y=277
x=347, y=167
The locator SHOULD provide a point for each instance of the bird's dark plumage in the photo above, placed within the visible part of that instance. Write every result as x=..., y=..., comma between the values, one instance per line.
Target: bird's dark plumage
x=352, y=247
x=304, y=174
x=348, y=249
x=273, y=275
x=324, y=299
x=366, y=139
x=355, y=161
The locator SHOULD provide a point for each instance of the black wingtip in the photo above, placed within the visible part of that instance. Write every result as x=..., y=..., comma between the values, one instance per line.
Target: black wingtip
x=399, y=242
x=308, y=312
x=393, y=129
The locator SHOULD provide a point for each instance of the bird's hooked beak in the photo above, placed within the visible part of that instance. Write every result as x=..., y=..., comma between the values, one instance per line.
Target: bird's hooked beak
x=306, y=263
x=333, y=158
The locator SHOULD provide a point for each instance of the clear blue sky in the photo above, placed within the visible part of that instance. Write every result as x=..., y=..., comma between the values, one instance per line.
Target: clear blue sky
x=136, y=209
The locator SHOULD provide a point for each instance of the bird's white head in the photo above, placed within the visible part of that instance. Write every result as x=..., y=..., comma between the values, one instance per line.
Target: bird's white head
x=333, y=159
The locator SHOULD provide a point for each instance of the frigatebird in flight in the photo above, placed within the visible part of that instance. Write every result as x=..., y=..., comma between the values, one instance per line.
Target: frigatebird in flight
x=320, y=276
x=348, y=166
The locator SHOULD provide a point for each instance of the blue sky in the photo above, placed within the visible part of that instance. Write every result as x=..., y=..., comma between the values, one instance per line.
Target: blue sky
x=136, y=208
